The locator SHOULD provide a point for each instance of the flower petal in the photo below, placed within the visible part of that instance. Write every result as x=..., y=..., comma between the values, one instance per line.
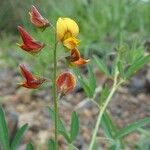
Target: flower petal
x=80, y=62
x=71, y=42
x=72, y=26
x=75, y=55
x=66, y=26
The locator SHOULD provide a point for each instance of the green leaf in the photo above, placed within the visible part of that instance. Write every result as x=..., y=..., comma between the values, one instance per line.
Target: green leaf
x=104, y=94
x=29, y=146
x=110, y=130
x=51, y=144
x=65, y=135
x=132, y=127
x=18, y=137
x=112, y=147
x=101, y=65
x=74, y=126
x=84, y=83
x=108, y=126
x=60, y=123
x=61, y=128
x=121, y=69
x=4, y=137
x=92, y=79
x=138, y=64
x=86, y=87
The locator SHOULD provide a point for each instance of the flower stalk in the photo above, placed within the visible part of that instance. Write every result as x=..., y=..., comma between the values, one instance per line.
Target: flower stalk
x=55, y=96
x=66, y=32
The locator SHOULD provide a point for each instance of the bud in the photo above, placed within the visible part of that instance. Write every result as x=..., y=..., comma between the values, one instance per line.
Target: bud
x=66, y=83
x=31, y=82
x=29, y=44
x=37, y=19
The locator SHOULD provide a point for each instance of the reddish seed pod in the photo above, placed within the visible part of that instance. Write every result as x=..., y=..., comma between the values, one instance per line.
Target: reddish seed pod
x=31, y=82
x=37, y=19
x=29, y=44
x=66, y=83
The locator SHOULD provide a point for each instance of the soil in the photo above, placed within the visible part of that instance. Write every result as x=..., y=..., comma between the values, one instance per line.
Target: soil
x=130, y=103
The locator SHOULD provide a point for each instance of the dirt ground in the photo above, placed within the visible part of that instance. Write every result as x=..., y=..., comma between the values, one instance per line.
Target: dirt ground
x=130, y=103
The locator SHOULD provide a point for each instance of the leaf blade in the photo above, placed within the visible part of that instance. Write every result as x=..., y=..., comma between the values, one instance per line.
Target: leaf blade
x=108, y=126
x=29, y=146
x=92, y=78
x=4, y=137
x=132, y=127
x=51, y=144
x=74, y=126
x=18, y=137
x=138, y=64
x=60, y=123
x=61, y=128
x=101, y=65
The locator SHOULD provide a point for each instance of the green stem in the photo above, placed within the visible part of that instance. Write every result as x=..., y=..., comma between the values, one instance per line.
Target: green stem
x=114, y=87
x=55, y=96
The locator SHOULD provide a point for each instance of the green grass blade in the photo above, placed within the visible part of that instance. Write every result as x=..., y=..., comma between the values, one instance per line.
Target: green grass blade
x=4, y=137
x=132, y=127
x=18, y=137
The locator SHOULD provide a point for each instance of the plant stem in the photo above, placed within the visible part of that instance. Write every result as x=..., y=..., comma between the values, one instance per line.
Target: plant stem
x=114, y=87
x=100, y=117
x=55, y=96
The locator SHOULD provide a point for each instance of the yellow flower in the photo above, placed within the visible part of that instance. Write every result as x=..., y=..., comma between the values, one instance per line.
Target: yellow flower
x=67, y=31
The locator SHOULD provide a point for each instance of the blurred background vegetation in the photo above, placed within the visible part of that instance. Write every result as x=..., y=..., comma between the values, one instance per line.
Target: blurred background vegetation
x=102, y=23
